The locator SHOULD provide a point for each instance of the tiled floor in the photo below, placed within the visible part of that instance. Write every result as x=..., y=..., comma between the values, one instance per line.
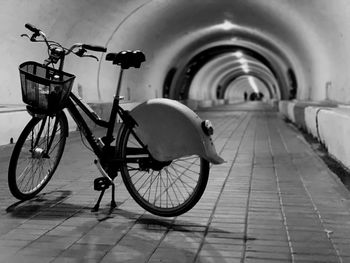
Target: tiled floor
x=274, y=200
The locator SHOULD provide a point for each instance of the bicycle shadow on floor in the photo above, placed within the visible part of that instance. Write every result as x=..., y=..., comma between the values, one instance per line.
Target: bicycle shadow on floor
x=52, y=205
x=152, y=222
x=48, y=204
x=183, y=238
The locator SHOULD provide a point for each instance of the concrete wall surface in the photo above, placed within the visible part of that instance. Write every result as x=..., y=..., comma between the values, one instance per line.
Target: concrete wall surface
x=16, y=119
x=170, y=33
x=326, y=121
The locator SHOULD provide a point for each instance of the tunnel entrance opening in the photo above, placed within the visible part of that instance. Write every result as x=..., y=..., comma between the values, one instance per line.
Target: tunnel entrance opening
x=246, y=88
x=178, y=84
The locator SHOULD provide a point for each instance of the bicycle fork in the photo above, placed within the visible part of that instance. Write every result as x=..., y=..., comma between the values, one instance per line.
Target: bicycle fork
x=101, y=184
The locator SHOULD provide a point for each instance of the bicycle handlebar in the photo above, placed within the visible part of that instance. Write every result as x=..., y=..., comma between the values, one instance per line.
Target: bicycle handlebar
x=94, y=48
x=82, y=47
x=32, y=28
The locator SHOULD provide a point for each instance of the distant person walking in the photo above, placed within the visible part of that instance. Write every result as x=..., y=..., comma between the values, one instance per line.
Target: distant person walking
x=245, y=96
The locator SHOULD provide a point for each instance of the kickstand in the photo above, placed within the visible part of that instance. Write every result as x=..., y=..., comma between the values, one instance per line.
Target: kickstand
x=97, y=205
x=113, y=203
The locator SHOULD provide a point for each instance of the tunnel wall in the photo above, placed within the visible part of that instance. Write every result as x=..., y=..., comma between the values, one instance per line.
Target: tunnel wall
x=327, y=122
x=68, y=22
x=313, y=35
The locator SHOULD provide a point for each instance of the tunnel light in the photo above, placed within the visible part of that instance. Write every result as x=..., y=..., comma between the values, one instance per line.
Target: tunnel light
x=244, y=65
x=245, y=68
x=238, y=54
x=227, y=25
x=253, y=84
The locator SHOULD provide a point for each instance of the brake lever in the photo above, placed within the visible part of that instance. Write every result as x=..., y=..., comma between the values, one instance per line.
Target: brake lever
x=25, y=35
x=81, y=53
x=91, y=56
x=32, y=38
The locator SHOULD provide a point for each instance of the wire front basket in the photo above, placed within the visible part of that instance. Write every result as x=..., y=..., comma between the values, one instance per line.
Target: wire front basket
x=44, y=88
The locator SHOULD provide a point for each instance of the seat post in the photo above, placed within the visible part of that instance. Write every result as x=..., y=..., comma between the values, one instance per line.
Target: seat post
x=119, y=83
x=114, y=111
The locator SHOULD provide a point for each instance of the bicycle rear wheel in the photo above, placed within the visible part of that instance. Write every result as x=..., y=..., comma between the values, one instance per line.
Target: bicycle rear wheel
x=36, y=155
x=162, y=188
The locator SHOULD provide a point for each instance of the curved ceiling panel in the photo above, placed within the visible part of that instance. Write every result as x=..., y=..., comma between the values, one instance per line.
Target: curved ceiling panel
x=249, y=85
x=309, y=38
x=211, y=81
x=181, y=35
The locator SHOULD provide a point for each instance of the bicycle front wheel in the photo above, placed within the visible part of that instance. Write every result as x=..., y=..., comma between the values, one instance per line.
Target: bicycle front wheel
x=36, y=155
x=162, y=188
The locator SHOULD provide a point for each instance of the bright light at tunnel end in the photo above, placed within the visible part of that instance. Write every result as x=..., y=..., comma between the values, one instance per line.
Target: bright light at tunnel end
x=227, y=25
x=253, y=84
x=238, y=54
x=244, y=65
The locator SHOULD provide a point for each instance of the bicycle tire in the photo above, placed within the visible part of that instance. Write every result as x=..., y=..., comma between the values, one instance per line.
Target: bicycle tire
x=36, y=155
x=183, y=180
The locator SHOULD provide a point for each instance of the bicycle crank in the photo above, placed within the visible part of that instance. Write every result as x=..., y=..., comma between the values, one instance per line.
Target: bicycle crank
x=101, y=183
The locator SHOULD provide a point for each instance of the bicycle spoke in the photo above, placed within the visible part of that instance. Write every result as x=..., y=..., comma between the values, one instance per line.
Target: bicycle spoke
x=148, y=190
x=139, y=178
x=183, y=173
x=178, y=179
x=171, y=186
x=188, y=162
x=54, y=146
x=36, y=161
x=166, y=189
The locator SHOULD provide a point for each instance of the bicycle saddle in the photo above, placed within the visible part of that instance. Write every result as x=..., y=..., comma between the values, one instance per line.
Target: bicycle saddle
x=127, y=58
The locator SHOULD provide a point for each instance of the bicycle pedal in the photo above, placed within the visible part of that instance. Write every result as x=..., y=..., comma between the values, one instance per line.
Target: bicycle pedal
x=101, y=183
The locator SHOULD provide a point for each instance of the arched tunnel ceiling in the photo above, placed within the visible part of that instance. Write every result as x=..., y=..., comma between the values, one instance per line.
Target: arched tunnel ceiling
x=308, y=38
x=174, y=32
x=249, y=85
x=220, y=71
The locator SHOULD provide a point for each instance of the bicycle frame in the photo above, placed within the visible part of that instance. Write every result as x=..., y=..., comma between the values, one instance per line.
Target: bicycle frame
x=162, y=148
x=101, y=146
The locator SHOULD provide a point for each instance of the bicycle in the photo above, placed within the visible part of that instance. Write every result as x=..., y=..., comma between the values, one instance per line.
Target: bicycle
x=161, y=177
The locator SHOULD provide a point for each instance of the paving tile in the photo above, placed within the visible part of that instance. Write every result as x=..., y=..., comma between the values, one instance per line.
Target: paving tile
x=88, y=251
x=40, y=251
x=75, y=260
x=272, y=198
x=218, y=253
x=266, y=248
x=172, y=255
x=216, y=240
x=268, y=255
x=27, y=259
x=316, y=258
x=270, y=260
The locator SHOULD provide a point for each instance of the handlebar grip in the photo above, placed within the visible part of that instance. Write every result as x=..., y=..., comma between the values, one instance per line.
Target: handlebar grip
x=94, y=48
x=32, y=28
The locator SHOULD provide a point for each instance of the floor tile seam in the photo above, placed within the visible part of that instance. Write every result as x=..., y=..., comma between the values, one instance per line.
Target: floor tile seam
x=248, y=118
x=48, y=230
x=148, y=258
x=344, y=193
x=241, y=122
x=224, y=128
x=323, y=223
x=130, y=227
x=224, y=123
x=235, y=123
x=246, y=219
x=290, y=245
x=319, y=216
